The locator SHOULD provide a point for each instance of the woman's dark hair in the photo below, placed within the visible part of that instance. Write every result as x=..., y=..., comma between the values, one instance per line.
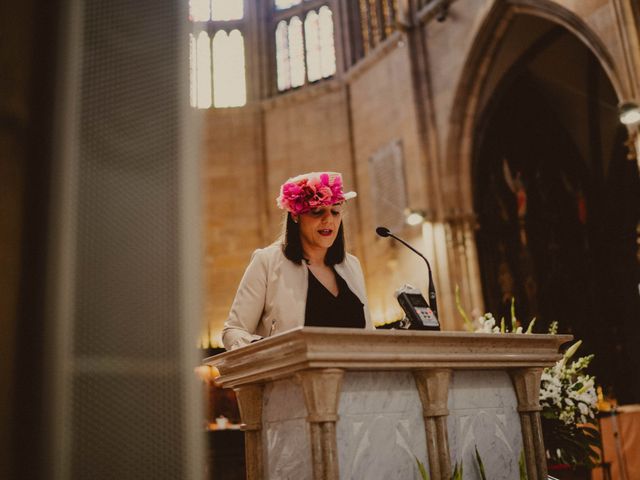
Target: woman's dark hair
x=292, y=245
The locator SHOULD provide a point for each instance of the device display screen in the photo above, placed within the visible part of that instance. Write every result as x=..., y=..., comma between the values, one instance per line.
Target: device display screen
x=417, y=300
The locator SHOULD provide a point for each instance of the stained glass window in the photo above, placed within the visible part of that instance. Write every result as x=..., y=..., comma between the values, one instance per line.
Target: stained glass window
x=305, y=50
x=312, y=44
x=216, y=65
x=227, y=9
x=193, y=94
x=282, y=56
x=378, y=20
x=200, y=67
x=199, y=10
x=296, y=52
x=229, y=85
x=327, y=46
x=284, y=4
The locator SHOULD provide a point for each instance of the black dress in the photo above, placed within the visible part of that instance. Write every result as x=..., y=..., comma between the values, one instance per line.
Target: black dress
x=325, y=310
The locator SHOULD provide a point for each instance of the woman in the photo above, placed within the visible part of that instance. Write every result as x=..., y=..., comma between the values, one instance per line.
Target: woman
x=306, y=278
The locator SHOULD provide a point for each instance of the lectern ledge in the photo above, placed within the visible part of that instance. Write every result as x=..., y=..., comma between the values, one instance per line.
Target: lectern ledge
x=335, y=403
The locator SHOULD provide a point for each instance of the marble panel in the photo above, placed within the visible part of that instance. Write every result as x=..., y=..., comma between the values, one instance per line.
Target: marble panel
x=483, y=414
x=380, y=432
x=286, y=432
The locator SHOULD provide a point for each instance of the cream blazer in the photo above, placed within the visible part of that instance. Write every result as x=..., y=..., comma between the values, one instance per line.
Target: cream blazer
x=272, y=296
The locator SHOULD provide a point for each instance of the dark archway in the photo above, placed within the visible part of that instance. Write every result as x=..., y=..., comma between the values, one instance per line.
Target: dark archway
x=558, y=203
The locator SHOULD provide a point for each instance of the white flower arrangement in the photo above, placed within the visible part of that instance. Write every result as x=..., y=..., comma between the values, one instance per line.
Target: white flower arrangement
x=567, y=395
x=569, y=407
x=568, y=390
x=487, y=324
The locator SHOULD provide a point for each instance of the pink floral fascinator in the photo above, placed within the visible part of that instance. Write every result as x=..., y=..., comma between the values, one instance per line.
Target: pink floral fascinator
x=305, y=192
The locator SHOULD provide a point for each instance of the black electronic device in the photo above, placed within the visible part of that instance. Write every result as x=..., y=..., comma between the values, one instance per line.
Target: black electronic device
x=420, y=315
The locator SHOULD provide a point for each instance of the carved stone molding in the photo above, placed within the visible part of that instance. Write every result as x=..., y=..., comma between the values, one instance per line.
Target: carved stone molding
x=321, y=390
x=526, y=381
x=433, y=387
x=300, y=349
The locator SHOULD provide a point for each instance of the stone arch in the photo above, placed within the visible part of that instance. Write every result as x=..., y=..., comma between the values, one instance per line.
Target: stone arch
x=459, y=143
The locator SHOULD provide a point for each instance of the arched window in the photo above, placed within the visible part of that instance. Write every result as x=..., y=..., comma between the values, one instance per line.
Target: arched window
x=312, y=44
x=229, y=89
x=227, y=9
x=200, y=68
x=296, y=52
x=218, y=10
x=304, y=55
x=377, y=21
x=282, y=56
x=327, y=46
x=217, y=65
x=193, y=95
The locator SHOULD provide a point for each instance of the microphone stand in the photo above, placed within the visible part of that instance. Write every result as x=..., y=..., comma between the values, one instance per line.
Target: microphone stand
x=385, y=232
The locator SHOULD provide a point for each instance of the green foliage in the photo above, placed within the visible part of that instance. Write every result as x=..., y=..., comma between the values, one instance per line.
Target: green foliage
x=457, y=472
x=531, y=324
x=483, y=476
x=423, y=471
x=468, y=324
x=522, y=466
x=455, y=475
x=570, y=444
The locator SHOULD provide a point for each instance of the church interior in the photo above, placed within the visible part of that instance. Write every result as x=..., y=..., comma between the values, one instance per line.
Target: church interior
x=141, y=153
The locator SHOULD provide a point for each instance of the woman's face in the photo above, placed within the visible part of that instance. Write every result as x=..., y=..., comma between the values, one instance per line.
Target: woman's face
x=319, y=227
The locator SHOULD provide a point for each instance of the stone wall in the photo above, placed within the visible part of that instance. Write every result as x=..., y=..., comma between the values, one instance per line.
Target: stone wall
x=234, y=205
x=340, y=123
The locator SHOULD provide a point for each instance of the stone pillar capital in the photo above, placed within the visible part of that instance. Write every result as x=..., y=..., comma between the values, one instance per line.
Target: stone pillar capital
x=321, y=389
x=526, y=382
x=250, y=405
x=433, y=387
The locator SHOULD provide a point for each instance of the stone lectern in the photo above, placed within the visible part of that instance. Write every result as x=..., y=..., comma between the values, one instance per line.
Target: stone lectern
x=334, y=403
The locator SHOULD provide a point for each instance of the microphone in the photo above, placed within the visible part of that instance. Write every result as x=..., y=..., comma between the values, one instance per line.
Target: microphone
x=385, y=232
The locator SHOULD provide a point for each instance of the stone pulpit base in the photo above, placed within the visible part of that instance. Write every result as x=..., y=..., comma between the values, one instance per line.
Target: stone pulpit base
x=333, y=403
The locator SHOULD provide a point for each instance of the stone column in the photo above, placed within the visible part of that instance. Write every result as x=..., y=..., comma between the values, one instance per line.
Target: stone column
x=433, y=387
x=321, y=389
x=250, y=404
x=526, y=382
x=464, y=266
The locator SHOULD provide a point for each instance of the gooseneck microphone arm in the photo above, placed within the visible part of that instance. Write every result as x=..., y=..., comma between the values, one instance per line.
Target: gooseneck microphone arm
x=385, y=232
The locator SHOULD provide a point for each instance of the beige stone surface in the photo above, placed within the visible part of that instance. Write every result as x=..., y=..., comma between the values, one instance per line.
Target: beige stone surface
x=285, y=354
x=339, y=123
x=233, y=204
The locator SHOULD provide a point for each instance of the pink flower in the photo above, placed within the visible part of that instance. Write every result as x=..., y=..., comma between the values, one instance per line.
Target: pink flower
x=312, y=190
